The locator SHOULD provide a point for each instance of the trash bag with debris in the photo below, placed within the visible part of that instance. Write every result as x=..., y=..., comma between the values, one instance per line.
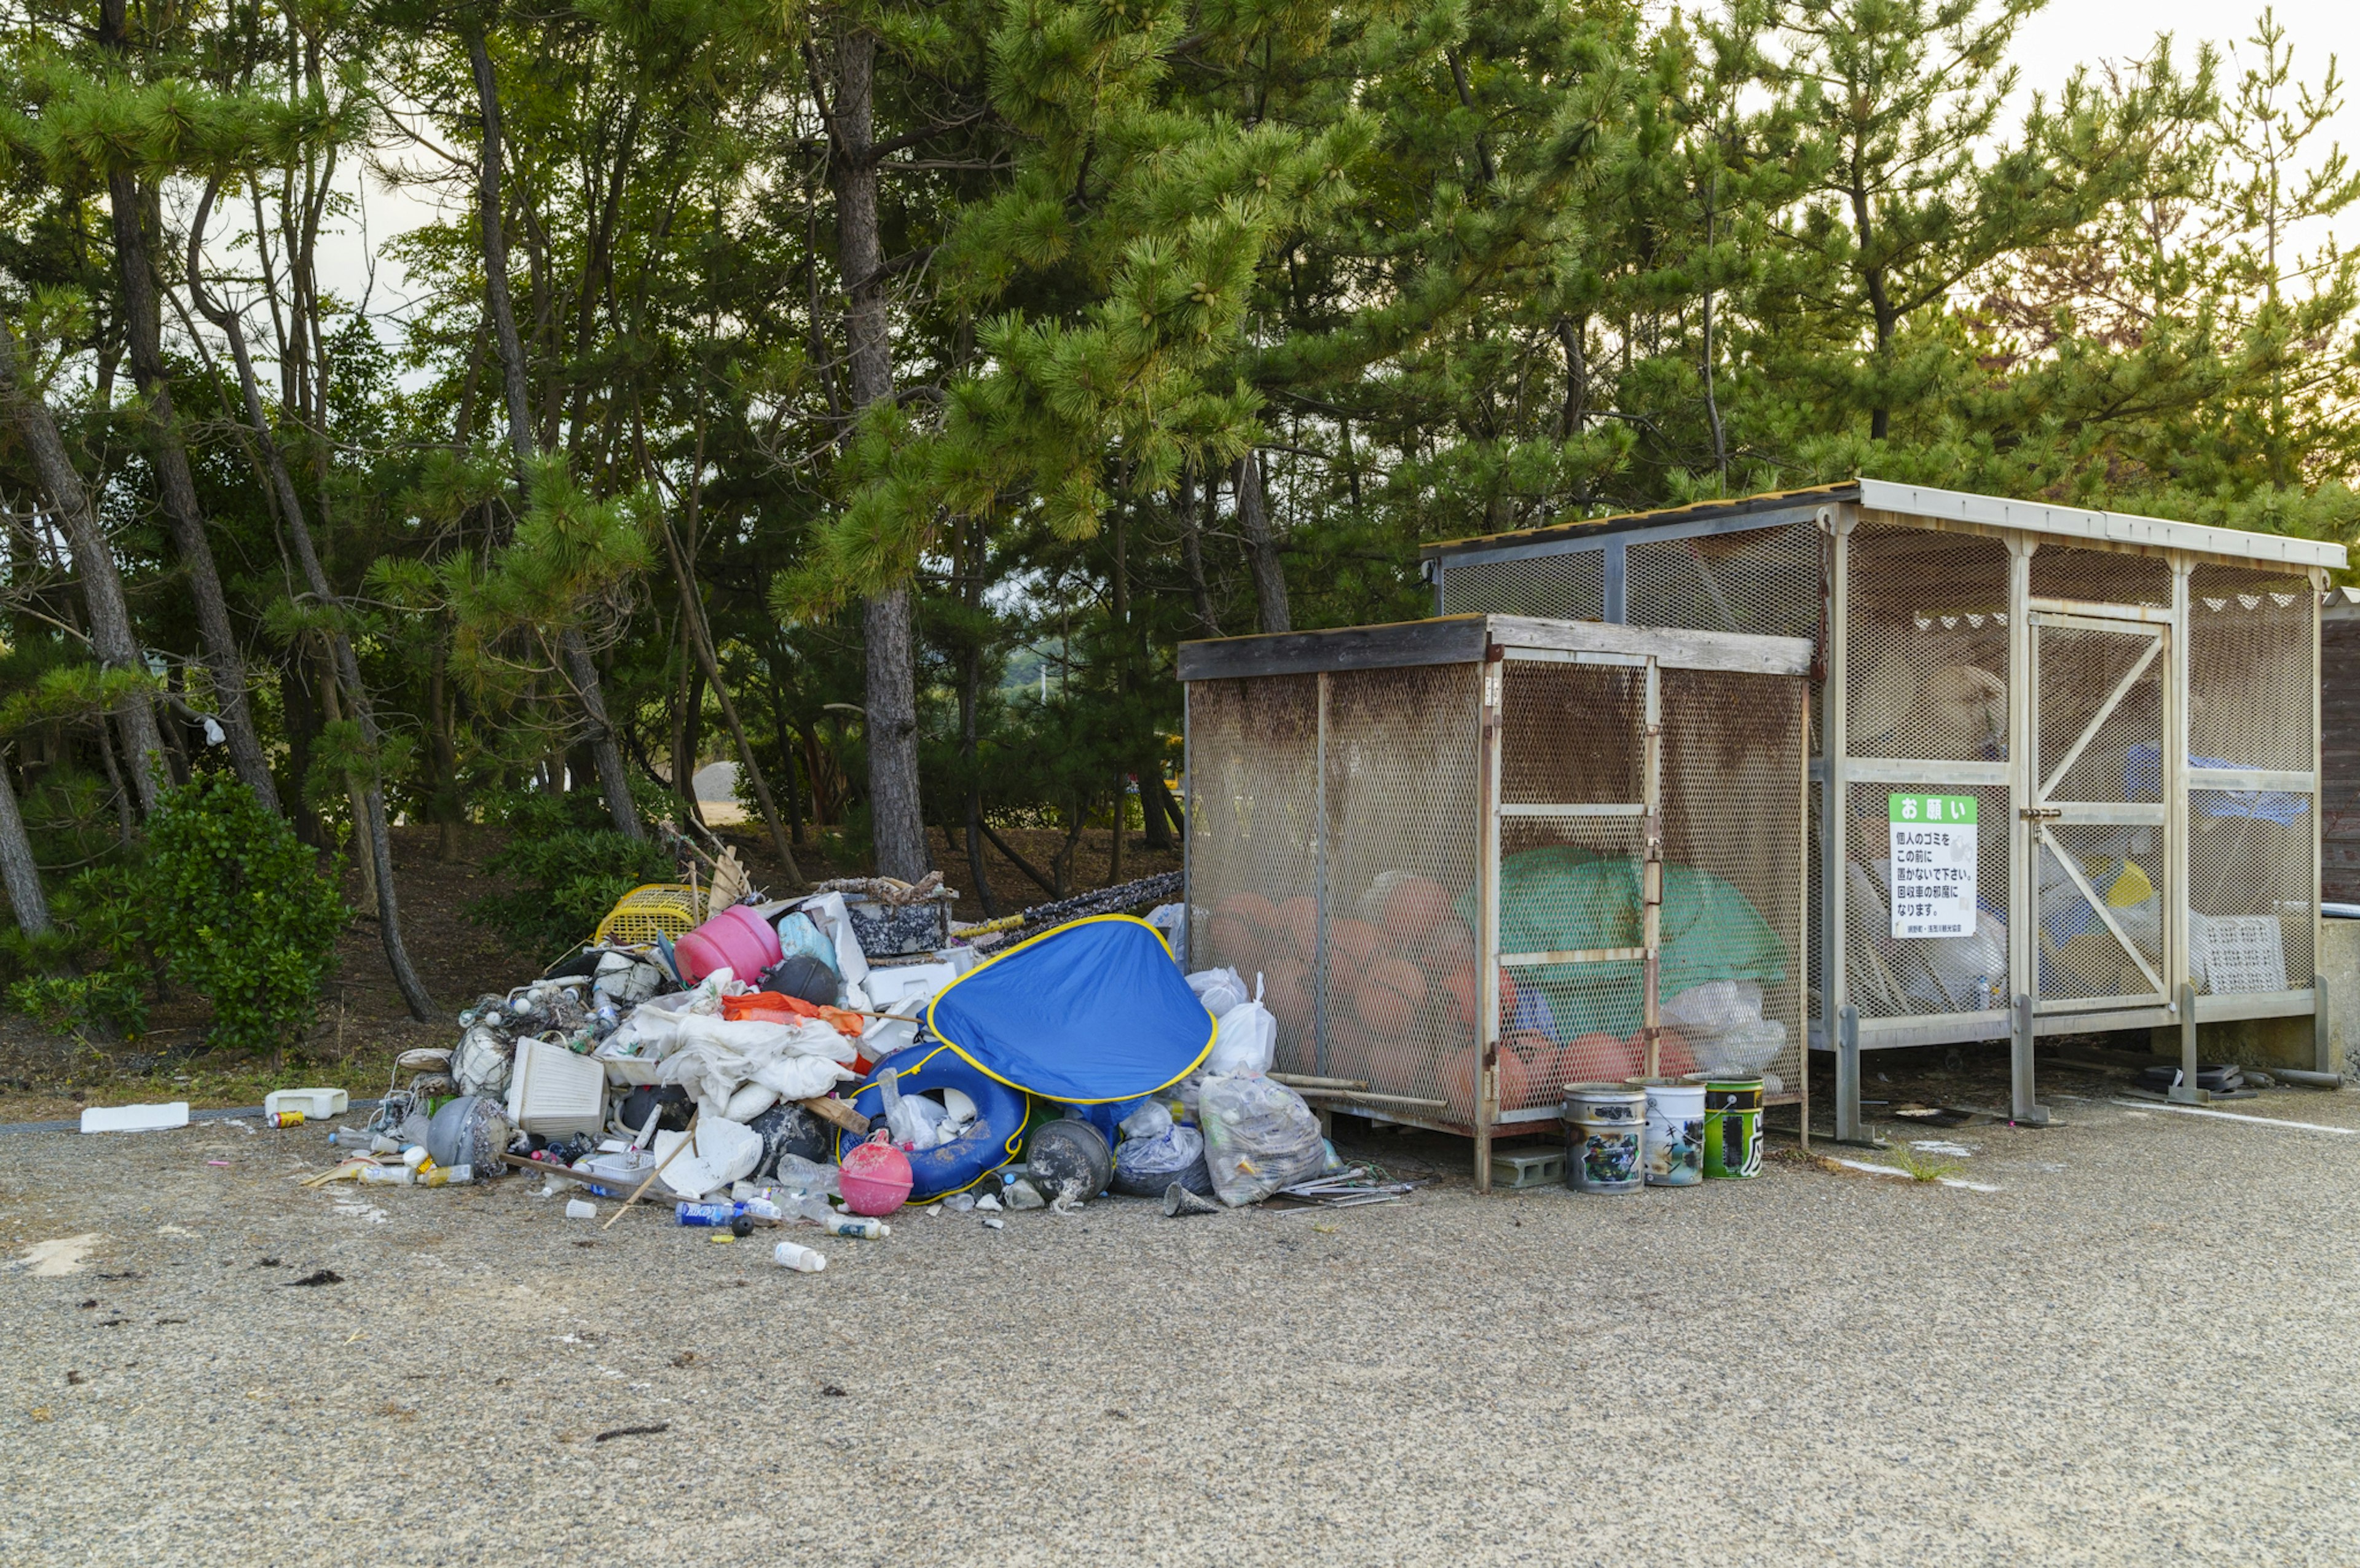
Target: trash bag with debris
x=1156, y=1151
x=1219, y=989
x=1259, y=1136
x=1246, y=1041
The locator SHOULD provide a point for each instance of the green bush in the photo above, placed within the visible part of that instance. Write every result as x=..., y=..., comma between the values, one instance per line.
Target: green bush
x=238, y=910
x=572, y=865
x=112, y=998
x=91, y=973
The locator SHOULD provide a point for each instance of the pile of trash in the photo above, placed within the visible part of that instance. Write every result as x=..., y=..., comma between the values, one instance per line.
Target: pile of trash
x=828, y=1060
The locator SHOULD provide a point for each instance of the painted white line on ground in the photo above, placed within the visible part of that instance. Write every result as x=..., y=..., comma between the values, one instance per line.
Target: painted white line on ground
x=1896, y=1171
x=2235, y=1116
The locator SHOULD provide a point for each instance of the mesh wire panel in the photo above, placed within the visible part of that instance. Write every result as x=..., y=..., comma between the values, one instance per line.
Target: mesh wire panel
x=1764, y=580
x=1888, y=976
x=2251, y=885
x=1254, y=810
x=2101, y=741
x=1927, y=654
x=1567, y=587
x=1398, y=988
x=2100, y=576
x=1571, y=735
x=1928, y=646
x=1733, y=770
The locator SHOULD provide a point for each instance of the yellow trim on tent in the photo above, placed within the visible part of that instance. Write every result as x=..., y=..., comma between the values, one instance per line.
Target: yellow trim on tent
x=1053, y=930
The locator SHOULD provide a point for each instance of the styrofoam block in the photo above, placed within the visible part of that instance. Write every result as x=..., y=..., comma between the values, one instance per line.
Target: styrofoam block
x=136, y=1118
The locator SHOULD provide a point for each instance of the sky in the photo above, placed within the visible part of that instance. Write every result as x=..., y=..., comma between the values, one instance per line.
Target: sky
x=2067, y=34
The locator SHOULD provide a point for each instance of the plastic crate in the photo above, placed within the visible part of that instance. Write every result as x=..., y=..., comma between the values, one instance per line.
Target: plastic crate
x=658, y=909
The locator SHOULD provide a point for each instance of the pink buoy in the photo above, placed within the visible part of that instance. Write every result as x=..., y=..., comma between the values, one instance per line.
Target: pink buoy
x=736, y=938
x=875, y=1177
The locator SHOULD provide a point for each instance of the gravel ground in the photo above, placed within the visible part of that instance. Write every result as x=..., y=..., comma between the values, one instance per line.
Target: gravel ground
x=2140, y=1348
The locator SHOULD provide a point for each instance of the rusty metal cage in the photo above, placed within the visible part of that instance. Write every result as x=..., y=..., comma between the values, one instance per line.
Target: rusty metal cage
x=1473, y=859
x=2123, y=711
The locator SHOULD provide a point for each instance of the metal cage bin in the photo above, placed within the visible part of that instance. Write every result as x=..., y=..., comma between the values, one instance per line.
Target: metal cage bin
x=1471, y=860
x=2123, y=712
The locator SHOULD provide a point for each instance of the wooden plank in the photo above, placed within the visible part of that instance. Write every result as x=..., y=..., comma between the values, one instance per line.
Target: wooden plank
x=1735, y=652
x=1446, y=639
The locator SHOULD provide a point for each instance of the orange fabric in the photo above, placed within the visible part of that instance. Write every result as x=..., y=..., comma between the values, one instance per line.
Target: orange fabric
x=771, y=1006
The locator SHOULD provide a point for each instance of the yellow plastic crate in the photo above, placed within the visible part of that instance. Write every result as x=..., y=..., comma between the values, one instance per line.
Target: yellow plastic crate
x=639, y=916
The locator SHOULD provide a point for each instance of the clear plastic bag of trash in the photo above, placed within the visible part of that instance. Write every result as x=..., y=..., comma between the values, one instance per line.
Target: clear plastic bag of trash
x=1259, y=1136
x=916, y=1121
x=1146, y=1165
x=1218, y=989
x=1713, y=1006
x=1246, y=1042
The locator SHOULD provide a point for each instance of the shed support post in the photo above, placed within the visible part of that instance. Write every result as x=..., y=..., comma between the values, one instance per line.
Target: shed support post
x=1838, y=1018
x=1650, y=875
x=2179, y=969
x=1319, y=889
x=2023, y=839
x=1487, y=984
x=2322, y=1049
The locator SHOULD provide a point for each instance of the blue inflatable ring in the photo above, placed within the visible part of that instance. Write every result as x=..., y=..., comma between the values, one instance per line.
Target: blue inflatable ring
x=1001, y=1115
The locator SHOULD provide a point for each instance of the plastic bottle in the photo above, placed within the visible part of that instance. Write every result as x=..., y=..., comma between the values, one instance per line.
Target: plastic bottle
x=414, y=1156
x=439, y=1176
x=799, y=1258
x=862, y=1227
x=762, y=1209
x=388, y=1175
x=712, y=1215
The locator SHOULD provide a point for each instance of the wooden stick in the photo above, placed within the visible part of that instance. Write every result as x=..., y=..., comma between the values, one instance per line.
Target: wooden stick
x=838, y=1113
x=686, y=1138
x=1362, y=1096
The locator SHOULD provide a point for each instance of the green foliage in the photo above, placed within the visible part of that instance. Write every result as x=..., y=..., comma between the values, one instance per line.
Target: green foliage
x=238, y=910
x=112, y=998
x=572, y=863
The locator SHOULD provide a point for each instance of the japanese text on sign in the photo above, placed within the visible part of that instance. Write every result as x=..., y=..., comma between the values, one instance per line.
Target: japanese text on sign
x=1933, y=864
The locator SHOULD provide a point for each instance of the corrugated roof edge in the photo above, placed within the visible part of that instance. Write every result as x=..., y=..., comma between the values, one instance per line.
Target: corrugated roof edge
x=1956, y=505
x=1696, y=511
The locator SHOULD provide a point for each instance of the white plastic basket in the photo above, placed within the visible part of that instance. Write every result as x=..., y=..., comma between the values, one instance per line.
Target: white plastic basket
x=554, y=1092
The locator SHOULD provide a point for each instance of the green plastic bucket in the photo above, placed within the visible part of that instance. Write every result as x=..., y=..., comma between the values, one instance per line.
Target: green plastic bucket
x=1605, y=1134
x=1732, y=1126
x=1674, y=1145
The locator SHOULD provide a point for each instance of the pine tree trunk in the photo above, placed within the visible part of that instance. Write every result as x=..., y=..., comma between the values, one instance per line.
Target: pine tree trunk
x=1192, y=548
x=444, y=725
x=19, y=873
x=110, y=618
x=368, y=795
x=499, y=306
x=1262, y=549
x=701, y=640
x=175, y=485
x=573, y=651
x=898, y=828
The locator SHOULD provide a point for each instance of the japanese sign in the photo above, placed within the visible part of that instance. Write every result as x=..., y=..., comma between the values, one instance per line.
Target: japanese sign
x=1933, y=864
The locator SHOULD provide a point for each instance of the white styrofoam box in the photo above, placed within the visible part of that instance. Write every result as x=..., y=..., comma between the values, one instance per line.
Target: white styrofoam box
x=136, y=1118
x=888, y=986
x=554, y=1092
x=312, y=1102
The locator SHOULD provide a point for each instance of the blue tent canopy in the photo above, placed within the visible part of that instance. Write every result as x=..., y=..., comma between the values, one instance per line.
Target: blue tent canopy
x=1087, y=1013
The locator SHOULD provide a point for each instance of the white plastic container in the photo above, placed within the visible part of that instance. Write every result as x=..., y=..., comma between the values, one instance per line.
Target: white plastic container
x=317, y=1105
x=554, y=1091
x=801, y=1258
